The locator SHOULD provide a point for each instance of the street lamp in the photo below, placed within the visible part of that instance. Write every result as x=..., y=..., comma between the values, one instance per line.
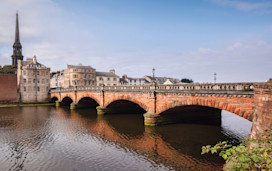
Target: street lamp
x=153, y=72
x=214, y=77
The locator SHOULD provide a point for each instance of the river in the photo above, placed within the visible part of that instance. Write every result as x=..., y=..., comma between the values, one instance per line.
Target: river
x=50, y=138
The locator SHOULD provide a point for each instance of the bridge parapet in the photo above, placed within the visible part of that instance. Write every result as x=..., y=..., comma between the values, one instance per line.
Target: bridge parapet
x=232, y=89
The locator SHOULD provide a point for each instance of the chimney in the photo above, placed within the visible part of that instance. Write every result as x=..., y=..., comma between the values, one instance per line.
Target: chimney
x=112, y=71
x=34, y=60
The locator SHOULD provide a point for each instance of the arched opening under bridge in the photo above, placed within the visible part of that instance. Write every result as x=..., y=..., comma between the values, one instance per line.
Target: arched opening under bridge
x=87, y=102
x=66, y=101
x=53, y=99
x=195, y=114
x=124, y=106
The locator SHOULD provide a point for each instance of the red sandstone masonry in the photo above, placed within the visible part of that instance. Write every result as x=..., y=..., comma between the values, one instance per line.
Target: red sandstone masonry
x=241, y=106
x=263, y=104
x=8, y=87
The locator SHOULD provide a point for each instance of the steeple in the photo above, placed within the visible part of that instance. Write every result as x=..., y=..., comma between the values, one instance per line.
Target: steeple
x=17, y=47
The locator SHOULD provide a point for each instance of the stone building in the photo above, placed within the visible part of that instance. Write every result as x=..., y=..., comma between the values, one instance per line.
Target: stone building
x=163, y=80
x=57, y=79
x=125, y=80
x=79, y=75
x=33, y=81
x=107, y=78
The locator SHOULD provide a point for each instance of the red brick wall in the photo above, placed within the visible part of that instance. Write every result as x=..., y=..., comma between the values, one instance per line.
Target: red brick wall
x=8, y=87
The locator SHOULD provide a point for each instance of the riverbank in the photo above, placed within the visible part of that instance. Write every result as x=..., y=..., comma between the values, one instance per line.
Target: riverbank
x=27, y=104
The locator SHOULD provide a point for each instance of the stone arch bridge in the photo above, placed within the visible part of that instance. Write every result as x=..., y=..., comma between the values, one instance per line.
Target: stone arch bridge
x=251, y=101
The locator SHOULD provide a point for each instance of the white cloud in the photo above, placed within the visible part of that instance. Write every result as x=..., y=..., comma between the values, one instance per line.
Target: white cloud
x=236, y=45
x=245, y=5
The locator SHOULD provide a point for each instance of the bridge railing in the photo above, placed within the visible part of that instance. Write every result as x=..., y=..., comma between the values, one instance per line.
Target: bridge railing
x=195, y=88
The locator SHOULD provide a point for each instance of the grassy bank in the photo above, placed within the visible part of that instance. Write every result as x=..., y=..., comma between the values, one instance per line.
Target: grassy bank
x=27, y=104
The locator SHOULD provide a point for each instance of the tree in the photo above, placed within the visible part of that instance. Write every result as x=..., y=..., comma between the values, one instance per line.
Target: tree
x=186, y=80
x=8, y=69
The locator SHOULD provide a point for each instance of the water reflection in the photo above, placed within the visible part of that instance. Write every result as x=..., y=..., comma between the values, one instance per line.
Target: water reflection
x=49, y=138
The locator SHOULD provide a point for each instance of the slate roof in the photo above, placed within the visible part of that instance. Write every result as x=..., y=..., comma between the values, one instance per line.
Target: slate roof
x=79, y=67
x=31, y=64
x=106, y=74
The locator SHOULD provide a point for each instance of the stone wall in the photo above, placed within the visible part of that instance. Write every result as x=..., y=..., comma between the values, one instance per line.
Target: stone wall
x=8, y=88
x=263, y=108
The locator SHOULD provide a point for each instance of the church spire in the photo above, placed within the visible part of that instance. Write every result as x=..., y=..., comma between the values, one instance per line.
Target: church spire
x=17, y=35
x=17, y=47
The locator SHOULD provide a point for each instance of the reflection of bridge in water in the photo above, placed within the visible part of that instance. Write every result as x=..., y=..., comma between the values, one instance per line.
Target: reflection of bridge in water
x=146, y=141
x=251, y=101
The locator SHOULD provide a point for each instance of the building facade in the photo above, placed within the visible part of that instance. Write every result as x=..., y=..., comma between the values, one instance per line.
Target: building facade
x=79, y=75
x=33, y=81
x=107, y=78
x=57, y=79
x=125, y=80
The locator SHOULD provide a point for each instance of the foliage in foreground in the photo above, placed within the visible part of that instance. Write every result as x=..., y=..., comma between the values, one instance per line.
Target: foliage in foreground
x=251, y=154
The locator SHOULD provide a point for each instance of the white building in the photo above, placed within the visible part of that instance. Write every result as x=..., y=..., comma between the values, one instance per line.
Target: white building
x=57, y=79
x=125, y=80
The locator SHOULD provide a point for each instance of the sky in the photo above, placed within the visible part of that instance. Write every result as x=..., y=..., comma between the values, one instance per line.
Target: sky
x=179, y=38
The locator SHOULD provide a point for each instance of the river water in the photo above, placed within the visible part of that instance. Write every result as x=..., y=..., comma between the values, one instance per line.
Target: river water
x=49, y=138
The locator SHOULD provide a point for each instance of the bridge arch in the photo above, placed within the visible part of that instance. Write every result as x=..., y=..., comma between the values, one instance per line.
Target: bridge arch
x=241, y=110
x=67, y=100
x=54, y=99
x=127, y=98
x=95, y=96
x=87, y=102
x=70, y=95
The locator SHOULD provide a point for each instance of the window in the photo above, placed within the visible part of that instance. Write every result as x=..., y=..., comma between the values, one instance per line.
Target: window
x=24, y=88
x=24, y=80
x=34, y=89
x=46, y=88
x=24, y=72
x=89, y=82
x=108, y=79
x=33, y=80
x=46, y=72
x=46, y=80
x=38, y=88
x=38, y=81
x=89, y=76
x=75, y=76
x=38, y=73
x=114, y=79
x=100, y=78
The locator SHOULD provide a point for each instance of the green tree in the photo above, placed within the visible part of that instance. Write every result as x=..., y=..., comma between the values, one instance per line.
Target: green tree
x=186, y=80
x=8, y=69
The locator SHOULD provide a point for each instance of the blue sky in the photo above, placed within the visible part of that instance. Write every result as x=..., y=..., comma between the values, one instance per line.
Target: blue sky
x=179, y=38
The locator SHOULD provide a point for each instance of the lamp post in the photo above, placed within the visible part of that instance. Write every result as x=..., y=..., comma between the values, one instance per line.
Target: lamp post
x=214, y=77
x=153, y=72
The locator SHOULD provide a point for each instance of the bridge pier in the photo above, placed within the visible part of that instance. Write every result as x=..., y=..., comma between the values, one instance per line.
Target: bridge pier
x=58, y=103
x=151, y=119
x=100, y=110
x=73, y=106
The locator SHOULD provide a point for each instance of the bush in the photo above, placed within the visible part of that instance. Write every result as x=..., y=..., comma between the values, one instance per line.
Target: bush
x=251, y=154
